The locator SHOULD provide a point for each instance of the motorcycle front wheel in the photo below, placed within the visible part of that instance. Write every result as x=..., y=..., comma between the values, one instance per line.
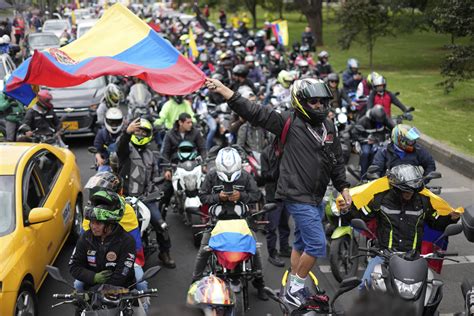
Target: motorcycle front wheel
x=339, y=258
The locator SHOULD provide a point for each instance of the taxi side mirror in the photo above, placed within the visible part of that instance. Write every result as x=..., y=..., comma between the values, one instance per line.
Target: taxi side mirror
x=40, y=215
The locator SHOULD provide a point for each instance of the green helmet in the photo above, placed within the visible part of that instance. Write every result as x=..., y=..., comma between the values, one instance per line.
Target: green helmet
x=146, y=126
x=285, y=78
x=187, y=151
x=105, y=206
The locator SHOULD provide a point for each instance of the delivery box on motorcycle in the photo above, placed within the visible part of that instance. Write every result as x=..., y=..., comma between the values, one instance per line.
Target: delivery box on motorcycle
x=468, y=223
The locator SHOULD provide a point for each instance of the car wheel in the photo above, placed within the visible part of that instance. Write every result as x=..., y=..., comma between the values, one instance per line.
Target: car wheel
x=77, y=221
x=26, y=301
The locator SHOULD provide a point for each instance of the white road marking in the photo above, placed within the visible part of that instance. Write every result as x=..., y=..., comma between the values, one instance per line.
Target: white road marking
x=461, y=259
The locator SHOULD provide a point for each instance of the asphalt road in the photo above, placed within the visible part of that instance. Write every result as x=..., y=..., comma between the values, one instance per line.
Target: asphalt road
x=173, y=284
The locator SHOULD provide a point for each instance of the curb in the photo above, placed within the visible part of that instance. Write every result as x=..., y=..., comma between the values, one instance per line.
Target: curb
x=448, y=156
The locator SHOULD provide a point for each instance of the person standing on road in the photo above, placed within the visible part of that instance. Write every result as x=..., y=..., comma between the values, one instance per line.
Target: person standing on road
x=312, y=157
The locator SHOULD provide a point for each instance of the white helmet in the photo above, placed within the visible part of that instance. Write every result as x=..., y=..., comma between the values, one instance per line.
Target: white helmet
x=6, y=39
x=113, y=120
x=112, y=95
x=228, y=164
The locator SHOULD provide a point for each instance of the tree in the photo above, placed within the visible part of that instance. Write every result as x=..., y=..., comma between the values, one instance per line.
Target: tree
x=313, y=10
x=274, y=5
x=453, y=17
x=252, y=7
x=363, y=21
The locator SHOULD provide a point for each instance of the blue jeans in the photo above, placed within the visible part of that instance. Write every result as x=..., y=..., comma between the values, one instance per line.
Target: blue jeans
x=211, y=123
x=366, y=156
x=309, y=230
x=368, y=271
x=162, y=236
x=278, y=219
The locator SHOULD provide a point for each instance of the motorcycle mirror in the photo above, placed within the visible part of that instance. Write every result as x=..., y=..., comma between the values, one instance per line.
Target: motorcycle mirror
x=433, y=175
x=358, y=223
x=92, y=150
x=56, y=274
x=346, y=285
x=150, y=273
x=411, y=109
x=451, y=230
x=269, y=207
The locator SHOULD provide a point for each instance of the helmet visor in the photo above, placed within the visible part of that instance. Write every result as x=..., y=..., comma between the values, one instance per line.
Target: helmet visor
x=114, y=123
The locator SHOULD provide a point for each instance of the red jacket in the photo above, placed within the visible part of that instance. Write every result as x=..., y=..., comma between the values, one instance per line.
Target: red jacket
x=384, y=100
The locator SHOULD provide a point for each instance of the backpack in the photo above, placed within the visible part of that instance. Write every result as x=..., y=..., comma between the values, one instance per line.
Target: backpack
x=274, y=152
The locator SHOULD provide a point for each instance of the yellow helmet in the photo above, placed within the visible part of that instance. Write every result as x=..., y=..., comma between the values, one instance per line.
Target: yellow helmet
x=145, y=126
x=285, y=78
x=303, y=91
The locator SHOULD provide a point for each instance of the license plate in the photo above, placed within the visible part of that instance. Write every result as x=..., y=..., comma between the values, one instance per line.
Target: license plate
x=70, y=125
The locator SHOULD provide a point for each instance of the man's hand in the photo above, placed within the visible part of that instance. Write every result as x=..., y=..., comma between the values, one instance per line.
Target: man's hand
x=102, y=276
x=29, y=134
x=216, y=86
x=357, y=76
x=99, y=159
x=222, y=196
x=168, y=175
x=133, y=127
x=455, y=215
x=204, y=169
x=347, y=200
x=235, y=196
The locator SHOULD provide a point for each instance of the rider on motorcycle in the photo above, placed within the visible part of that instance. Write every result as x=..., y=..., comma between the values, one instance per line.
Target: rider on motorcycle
x=139, y=170
x=105, y=253
x=220, y=187
x=305, y=55
x=403, y=150
x=239, y=75
x=351, y=77
x=323, y=67
x=255, y=72
x=111, y=99
x=400, y=213
x=106, y=137
x=41, y=117
x=370, y=130
x=172, y=109
x=339, y=95
x=380, y=95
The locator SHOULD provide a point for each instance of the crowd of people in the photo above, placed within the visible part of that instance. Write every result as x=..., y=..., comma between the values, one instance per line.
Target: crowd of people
x=260, y=97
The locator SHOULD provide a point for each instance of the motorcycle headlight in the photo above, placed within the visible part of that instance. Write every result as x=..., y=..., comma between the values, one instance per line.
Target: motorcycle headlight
x=408, y=291
x=190, y=182
x=342, y=118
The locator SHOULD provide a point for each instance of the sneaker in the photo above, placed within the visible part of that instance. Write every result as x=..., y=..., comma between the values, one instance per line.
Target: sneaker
x=275, y=260
x=261, y=294
x=285, y=252
x=299, y=297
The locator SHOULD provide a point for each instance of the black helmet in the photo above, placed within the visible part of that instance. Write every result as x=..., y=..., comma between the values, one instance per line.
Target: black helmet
x=240, y=70
x=105, y=206
x=304, y=90
x=406, y=178
x=377, y=113
x=333, y=77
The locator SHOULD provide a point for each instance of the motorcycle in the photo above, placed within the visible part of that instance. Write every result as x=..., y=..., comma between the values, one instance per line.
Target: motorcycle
x=342, y=240
x=406, y=274
x=233, y=267
x=106, y=300
x=50, y=137
x=140, y=103
x=318, y=304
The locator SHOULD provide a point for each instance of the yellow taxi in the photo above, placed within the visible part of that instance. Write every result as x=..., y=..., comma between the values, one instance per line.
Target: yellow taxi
x=40, y=207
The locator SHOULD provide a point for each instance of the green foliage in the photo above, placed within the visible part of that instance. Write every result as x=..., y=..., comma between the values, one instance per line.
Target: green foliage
x=363, y=21
x=458, y=66
x=455, y=17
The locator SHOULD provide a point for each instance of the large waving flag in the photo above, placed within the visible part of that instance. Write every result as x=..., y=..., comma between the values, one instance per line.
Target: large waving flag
x=280, y=31
x=119, y=44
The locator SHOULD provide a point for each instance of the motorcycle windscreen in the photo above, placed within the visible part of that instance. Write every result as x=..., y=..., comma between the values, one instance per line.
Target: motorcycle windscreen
x=232, y=241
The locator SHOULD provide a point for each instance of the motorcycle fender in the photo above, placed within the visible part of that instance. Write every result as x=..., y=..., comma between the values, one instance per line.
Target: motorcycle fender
x=341, y=231
x=145, y=214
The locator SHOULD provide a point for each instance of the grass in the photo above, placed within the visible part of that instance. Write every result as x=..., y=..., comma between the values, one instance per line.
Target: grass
x=410, y=62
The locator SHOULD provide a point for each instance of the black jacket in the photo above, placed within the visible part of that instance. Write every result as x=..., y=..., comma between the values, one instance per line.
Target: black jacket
x=47, y=123
x=102, y=141
x=116, y=253
x=387, y=158
x=403, y=220
x=306, y=166
x=173, y=139
x=365, y=127
x=212, y=186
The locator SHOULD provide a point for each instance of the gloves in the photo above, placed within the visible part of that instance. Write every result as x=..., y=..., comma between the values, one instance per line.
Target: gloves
x=102, y=276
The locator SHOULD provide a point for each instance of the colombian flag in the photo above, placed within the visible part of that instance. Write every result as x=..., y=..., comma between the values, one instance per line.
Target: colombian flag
x=233, y=242
x=280, y=31
x=119, y=44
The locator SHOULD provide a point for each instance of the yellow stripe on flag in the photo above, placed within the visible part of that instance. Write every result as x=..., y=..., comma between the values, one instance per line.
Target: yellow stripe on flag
x=117, y=25
x=192, y=44
x=231, y=226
